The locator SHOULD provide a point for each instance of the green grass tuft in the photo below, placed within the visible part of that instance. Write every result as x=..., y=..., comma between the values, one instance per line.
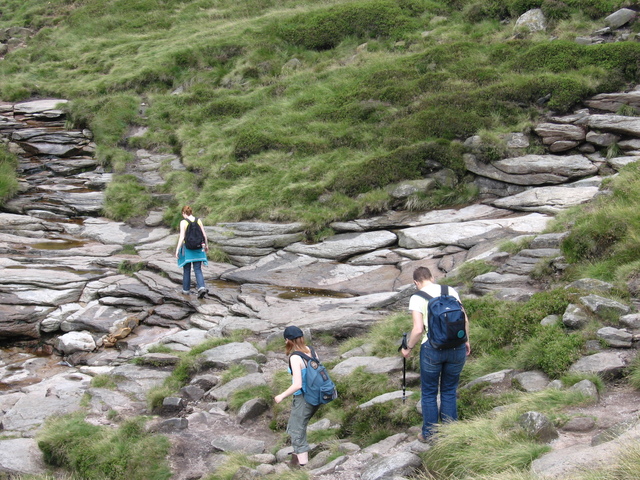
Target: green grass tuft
x=8, y=179
x=90, y=451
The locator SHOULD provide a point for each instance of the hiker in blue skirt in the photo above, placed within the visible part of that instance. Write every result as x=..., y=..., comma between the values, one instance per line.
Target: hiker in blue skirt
x=192, y=248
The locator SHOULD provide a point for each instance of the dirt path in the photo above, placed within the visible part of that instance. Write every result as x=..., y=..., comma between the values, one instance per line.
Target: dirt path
x=577, y=452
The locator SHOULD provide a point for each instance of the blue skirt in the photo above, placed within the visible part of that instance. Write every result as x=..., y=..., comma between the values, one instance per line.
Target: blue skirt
x=186, y=255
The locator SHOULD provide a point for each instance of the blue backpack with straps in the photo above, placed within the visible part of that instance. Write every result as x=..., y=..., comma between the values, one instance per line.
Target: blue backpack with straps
x=318, y=388
x=445, y=320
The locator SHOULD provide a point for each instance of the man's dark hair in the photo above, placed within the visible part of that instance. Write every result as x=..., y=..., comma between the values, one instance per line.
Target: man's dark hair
x=421, y=274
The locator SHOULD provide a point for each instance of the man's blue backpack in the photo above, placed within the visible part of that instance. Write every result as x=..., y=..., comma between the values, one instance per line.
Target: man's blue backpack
x=445, y=320
x=318, y=388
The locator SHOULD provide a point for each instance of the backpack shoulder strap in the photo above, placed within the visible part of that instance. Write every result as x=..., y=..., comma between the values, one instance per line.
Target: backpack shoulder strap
x=444, y=290
x=424, y=295
x=304, y=356
x=308, y=358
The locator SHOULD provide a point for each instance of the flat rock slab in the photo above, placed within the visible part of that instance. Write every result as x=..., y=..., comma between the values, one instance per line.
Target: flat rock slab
x=608, y=364
x=468, y=234
x=21, y=456
x=341, y=317
x=370, y=364
x=137, y=381
x=549, y=200
x=59, y=394
x=110, y=232
x=230, y=354
x=567, y=463
x=343, y=246
x=301, y=271
x=534, y=169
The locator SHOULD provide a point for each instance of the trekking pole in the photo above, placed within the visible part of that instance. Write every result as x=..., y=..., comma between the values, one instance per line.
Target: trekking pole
x=404, y=366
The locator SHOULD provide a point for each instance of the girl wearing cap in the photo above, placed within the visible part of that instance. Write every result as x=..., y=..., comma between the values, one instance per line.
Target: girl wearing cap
x=301, y=410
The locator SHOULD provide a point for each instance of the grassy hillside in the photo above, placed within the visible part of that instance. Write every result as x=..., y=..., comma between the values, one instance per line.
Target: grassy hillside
x=304, y=110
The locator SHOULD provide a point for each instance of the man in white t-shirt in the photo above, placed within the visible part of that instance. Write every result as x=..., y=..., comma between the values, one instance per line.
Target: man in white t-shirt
x=439, y=368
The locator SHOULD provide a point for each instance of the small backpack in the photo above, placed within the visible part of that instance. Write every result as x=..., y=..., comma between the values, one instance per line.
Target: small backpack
x=445, y=320
x=318, y=388
x=193, y=238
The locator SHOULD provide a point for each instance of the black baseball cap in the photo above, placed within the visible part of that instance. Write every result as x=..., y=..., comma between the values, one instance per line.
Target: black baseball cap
x=292, y=332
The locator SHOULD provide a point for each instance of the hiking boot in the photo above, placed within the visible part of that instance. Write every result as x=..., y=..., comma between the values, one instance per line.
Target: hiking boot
x=427, y=440
x=202, y=292
x=185, y=292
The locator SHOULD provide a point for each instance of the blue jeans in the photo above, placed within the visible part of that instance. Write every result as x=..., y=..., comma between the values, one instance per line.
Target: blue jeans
x=439, y=369
x=186, y=275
